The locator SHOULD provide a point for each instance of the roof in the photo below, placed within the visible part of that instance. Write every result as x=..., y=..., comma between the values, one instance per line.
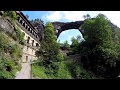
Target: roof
x=26, y=20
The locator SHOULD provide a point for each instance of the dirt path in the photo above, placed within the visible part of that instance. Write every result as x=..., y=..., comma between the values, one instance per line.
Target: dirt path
x=25, y=72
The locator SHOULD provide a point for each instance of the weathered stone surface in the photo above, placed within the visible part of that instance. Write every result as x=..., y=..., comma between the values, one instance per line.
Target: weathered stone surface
x=4, y=24
x=62, y=26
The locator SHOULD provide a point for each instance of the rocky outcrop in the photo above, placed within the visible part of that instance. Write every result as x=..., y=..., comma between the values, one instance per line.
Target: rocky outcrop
x=62, y=26
x=5, y=24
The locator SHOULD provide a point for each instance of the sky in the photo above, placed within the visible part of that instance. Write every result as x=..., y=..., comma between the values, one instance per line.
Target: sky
x=68, y=16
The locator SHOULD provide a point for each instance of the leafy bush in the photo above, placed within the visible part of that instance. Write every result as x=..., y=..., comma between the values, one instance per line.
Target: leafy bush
x=39, y=71
x=7, y=67
x=20, y=36
x=63, y=72
x=78, y=72
x=60, y=57
x=9, y=53
x=4, y=41
x=98, y=47
x=16, y=51
x=14, y=36
x=11, y=14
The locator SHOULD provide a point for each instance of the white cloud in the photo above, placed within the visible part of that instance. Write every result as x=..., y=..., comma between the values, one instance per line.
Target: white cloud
x=73, y=15
x=69, y=37
x=64, y=15
x=114, y=16
x=63, y=33
x=67, y=16
x=53, y=16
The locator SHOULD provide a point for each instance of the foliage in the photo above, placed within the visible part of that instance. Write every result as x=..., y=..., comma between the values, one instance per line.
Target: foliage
x=39, y=71
x=7, y=67
x=60, y=57
x=98, y=46
x=49, y=50
x=63, y=72
x=20, y=36
x=16, y=51
x=74, y=45
x=37, y=20
x=78, y=72
x=4, y=41
x=74, y=42
x=65, y=46
x=45, y=73
x=87, y=16
x=8, y=54
x=11, y=14
x=49, y=47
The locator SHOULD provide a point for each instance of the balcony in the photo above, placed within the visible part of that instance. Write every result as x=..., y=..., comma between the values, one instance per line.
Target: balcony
x=27, y=31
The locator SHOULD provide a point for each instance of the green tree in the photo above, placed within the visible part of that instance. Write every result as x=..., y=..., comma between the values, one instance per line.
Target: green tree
x=27, y=16
x=66, y=46
x=87, y=16
x=40, y=21
x=49, y=47
x=49, y=50
x=4, y=41
x=20, y=36
x=98, y=46
x=11, y=14
x=74, y=45
x=74, y=42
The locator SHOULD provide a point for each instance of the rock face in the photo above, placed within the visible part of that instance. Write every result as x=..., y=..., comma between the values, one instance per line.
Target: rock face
x=62, y=26
x=5, y=24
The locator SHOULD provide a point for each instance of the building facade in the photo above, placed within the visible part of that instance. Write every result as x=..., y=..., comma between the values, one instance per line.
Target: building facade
x=31, y=37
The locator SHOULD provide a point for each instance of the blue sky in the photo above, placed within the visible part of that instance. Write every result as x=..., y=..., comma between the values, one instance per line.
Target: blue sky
x=68, y=16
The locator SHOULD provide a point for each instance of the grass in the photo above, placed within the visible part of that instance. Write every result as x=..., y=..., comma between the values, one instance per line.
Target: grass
x=63, y=72
x=39, y=72
x=68, y=69
x=8, y=67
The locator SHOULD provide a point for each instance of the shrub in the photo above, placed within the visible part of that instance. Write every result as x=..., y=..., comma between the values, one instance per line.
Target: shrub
x=60, y=57
x=16, y=51
x=11, y=14
x=20, y=35
x=4, y=41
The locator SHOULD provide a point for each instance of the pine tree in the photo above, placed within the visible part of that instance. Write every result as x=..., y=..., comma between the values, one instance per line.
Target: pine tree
x=49, y=47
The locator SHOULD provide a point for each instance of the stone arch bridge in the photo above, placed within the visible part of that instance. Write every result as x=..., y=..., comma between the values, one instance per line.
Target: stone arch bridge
x=62, y=26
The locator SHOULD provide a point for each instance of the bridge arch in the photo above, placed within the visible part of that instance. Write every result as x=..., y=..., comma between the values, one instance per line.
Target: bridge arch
x=62, y=26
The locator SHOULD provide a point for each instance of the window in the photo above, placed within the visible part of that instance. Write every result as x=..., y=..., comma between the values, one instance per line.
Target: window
x=32, y=42
x=28, y=39
x=37, y=44
x=26, y=58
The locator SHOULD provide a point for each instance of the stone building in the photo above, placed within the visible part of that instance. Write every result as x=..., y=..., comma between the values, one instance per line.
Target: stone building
x=31, y=37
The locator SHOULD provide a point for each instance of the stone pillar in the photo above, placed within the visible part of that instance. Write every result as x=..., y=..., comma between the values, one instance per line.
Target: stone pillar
x=19, y=19
x=22, y=22
x=30, y=29
x=25, y=25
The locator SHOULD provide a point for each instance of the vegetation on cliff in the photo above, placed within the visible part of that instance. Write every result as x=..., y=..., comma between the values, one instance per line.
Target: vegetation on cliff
x=10, y=48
